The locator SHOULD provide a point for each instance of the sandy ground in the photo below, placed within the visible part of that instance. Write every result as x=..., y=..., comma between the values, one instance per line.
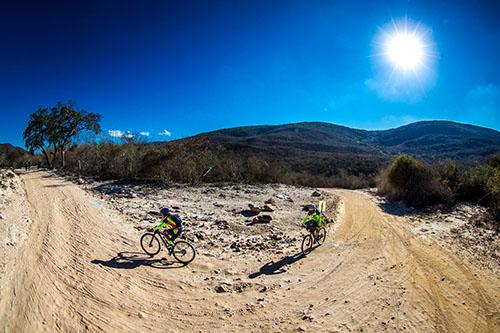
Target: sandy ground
x=80, y=269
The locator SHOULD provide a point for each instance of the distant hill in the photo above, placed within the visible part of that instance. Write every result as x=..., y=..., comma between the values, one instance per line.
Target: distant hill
x=434, y=140
x=329, y=149
x=11, y=155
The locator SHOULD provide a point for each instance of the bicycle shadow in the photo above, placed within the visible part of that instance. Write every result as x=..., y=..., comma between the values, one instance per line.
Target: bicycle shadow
x=131, y=260
x=272, y=268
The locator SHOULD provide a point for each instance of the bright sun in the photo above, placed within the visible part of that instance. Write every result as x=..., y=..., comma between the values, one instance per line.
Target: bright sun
x=405, y=50
x=406, y=46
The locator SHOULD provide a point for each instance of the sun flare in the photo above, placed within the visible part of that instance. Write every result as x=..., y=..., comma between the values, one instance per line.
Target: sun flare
x=406, y=47
x=405, y=51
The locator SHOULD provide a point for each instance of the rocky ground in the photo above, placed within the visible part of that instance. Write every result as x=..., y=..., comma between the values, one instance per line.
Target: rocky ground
x=221, y=219
x=257, y=220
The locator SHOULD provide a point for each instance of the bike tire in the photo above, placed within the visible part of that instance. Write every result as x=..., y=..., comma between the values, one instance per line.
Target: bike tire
x=183, y=252
x=150, y=244
x=307, y=243
x=321, y=236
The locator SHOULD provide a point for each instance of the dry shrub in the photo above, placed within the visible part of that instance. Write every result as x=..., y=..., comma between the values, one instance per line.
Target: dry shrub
x=193, y=162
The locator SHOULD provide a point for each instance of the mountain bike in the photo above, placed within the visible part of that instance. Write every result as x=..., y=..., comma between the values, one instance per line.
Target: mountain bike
x=314, y=236
x=182, y=251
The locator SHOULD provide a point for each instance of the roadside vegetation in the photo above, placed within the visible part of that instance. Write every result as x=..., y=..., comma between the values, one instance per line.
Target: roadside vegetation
x=190, y=161
x=443, y=184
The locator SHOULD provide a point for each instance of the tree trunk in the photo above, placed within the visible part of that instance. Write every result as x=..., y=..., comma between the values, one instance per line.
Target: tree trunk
x=54, y=157
x=46, y=158
x=62, y=158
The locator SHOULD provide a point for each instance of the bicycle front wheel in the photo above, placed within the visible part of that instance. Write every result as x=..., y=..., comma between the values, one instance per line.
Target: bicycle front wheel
x=183, y=252
x=150, y=244
x=307, y=244
x=321, y=236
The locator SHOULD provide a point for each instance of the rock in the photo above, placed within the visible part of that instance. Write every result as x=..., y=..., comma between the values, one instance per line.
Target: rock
x=270, y=201
x=268, y=209
x=316, y=194
x=222, y=224
x=200, y=235
x=262, y=219
x=254, y=208
x=240, y=287
x=80, y=181
x=308, y=317
x=276, y=237
x=154, y=213
x=223, y=287
x=10, y=174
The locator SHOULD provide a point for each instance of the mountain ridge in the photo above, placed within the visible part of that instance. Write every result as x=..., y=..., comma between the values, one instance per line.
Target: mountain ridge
x=325, y=148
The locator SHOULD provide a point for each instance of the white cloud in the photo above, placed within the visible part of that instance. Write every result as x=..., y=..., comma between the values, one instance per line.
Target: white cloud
x=116, y=133
x=120, y=134
x=144, y=133
x=165, y=133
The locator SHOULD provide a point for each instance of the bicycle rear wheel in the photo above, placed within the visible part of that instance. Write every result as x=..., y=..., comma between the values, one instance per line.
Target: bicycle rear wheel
x=183, y=252
x=150, y=244
x=307, y=244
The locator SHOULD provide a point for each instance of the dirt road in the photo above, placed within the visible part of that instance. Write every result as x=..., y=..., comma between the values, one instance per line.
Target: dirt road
x=80, y=269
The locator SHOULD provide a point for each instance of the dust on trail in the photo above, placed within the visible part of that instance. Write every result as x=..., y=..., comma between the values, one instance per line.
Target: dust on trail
x=81, y=269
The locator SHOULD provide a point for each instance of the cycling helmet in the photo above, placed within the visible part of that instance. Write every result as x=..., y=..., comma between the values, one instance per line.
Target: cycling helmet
x=309, y=208
x=165, y=211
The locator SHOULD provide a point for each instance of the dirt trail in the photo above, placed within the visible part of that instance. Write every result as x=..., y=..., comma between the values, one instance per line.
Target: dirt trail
x=80, y=270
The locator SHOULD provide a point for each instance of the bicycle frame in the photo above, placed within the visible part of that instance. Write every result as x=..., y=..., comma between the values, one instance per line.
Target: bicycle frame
x=165, y=243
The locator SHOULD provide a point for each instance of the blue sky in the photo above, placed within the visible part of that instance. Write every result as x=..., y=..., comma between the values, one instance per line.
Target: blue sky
x=193, y=66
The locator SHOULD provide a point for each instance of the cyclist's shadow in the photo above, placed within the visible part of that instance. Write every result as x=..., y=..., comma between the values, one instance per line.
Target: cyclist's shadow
x=272, y=268
x=130, y=260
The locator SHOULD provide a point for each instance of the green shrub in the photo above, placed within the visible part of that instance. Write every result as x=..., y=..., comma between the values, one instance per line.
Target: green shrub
x=419, y=184
x=481, y=184
x=413, y=182
x=448, y=172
